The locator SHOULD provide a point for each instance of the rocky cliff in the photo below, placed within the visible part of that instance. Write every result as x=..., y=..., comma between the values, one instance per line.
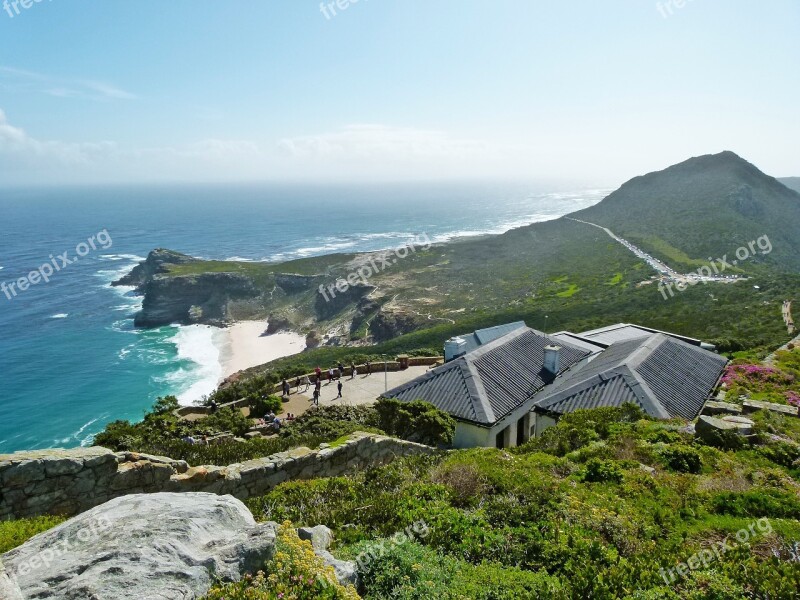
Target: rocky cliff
x=186, y=299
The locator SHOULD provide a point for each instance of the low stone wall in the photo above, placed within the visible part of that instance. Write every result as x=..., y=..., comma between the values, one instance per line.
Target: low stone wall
x=67, y=482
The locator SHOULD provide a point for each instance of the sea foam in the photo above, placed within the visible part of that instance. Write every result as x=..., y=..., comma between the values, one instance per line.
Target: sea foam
x=201, y=367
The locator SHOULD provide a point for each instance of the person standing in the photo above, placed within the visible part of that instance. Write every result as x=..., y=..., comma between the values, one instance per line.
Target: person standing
x=316, y=397
x=369, y=368
x=354, y=370
x=340, y=386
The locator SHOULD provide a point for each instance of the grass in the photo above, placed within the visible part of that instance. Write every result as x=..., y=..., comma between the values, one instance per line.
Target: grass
x=569, y=292
x=16, y=533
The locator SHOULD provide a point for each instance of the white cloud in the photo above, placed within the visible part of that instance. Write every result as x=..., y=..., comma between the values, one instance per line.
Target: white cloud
x=380, y=142
x=63, y=87
x=18, y=149
x=353, y=153
x=24, y=158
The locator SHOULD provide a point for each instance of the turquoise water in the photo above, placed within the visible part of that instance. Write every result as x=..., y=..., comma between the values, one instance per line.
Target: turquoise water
x=70, y=358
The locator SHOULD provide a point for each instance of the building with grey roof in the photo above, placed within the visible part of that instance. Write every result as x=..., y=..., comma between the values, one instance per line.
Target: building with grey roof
x=665, y=376
x=516, y=384
x=490, y=390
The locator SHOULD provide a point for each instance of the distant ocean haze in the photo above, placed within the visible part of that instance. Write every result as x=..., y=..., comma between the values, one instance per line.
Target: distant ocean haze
x=71, y=360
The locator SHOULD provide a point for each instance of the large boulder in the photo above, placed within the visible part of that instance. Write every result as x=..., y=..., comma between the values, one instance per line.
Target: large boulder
x=751, y=406
x=8, y=588
x=712, y=429
x=714, y=408
x=143, y=546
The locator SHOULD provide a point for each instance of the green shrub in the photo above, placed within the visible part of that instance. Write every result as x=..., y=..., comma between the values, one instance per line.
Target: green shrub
x=723, y=439
x=582, y=427
x=410, y=571
x=781, y=453
x=663, y=436
x=758, y=503
x=333, y=422
x=415, y=421
x=264, y=406
x=681, y=459
x=226, y=420
x=600, y=471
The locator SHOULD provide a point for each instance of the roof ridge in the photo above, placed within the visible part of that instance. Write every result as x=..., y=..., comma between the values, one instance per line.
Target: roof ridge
x=645, y=349
x=643, y=392
x=476, y=389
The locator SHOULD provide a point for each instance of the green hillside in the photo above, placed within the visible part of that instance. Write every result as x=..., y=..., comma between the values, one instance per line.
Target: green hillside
x=706, y=206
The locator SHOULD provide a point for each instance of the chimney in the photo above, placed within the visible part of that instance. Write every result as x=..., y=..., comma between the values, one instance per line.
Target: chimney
x=552, y=359
x=454, y=347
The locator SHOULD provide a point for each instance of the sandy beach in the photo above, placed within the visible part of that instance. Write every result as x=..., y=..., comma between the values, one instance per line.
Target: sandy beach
x=245, y=345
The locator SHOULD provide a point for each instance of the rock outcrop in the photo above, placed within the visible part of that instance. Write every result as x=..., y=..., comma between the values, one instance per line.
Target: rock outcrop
x=191, y=299
x=712, y=429
x=154, y=264
x=389, y=324
x=185, y=299
x=170, y=546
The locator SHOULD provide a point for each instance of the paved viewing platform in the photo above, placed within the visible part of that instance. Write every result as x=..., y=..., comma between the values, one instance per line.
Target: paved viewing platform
x=364, y=389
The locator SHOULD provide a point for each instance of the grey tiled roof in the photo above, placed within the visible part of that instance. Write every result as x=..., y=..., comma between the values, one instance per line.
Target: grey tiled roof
x=483, y=336
x=487, y=384
x=626, y=331
x=665, y=376
x=577, y=340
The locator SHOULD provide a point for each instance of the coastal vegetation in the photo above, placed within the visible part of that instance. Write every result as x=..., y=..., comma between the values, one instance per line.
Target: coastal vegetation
x=295, y=572
x=163, y=433
x=605, y=505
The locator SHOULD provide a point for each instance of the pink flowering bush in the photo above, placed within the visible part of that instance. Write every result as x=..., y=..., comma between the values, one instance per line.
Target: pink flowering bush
x=763, y=382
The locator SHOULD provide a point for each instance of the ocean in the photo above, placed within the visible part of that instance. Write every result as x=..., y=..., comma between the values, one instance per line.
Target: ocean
x=71, y=360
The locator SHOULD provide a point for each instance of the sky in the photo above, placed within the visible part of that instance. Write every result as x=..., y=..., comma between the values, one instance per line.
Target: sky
x=114, y=91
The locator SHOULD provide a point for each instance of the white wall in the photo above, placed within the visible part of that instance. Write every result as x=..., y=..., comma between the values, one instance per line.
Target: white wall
x=472, y=436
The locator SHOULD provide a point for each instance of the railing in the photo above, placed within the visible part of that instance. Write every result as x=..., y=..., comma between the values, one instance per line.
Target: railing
x=401, y=364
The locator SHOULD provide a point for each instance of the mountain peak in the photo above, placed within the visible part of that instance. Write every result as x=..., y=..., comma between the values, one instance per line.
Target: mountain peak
x=706, y=205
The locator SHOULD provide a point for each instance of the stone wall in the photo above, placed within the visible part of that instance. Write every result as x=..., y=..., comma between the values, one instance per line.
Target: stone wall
x=67, y=482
